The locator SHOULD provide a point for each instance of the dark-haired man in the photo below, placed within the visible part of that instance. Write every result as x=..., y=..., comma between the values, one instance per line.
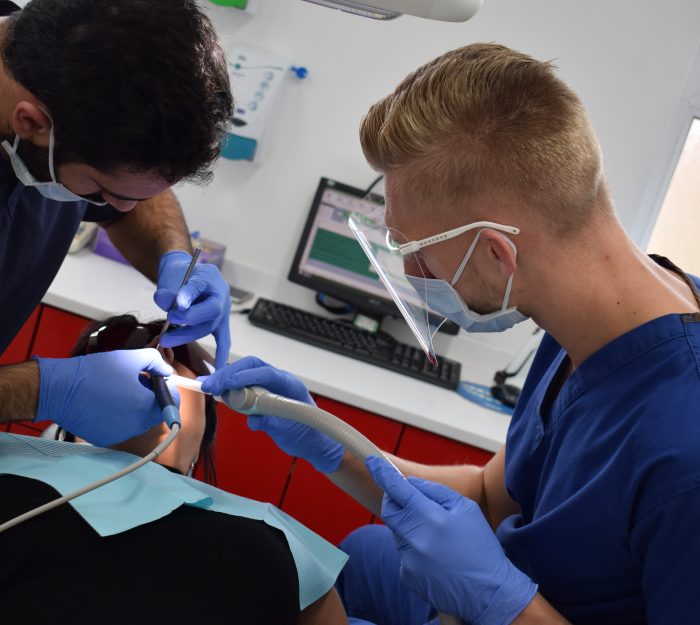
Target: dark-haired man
x=104, y=106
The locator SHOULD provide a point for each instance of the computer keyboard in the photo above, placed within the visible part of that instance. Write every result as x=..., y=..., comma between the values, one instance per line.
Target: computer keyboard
x=342, y=337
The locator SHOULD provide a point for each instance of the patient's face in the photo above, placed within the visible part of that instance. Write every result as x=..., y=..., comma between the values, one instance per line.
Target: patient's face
x=184, y=450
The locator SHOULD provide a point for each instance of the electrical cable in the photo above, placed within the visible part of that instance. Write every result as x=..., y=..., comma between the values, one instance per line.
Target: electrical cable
x=171, y=417
x=373, y=184
x=86, y=489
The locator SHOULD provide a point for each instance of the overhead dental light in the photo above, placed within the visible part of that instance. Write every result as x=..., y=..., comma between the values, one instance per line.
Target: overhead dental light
x=445, y=10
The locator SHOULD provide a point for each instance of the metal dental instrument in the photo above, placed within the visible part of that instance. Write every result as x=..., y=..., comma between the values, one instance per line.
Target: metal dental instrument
x=188, y=273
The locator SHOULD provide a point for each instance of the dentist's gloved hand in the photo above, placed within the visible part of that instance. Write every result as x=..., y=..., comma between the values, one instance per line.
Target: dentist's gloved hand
x=203, y=303
x=449, y=554
x=99, y=397
x=294, y=438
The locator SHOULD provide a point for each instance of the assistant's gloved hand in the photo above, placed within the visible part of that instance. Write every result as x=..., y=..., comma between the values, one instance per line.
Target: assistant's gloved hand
x=99, y=397
x=294, y=438
x=203, y=303
x=449, y=554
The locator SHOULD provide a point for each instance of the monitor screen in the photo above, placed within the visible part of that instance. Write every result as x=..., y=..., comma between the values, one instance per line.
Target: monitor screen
x=330, y=260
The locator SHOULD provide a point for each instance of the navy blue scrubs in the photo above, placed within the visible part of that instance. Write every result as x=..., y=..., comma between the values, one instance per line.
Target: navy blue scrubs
x=35, y=234
x=607, y=476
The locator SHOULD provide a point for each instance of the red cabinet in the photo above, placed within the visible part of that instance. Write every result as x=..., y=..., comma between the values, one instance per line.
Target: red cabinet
x=316, y=502
x=18, y=350
x=428, y=448
x=57, y=333
x=248, y=463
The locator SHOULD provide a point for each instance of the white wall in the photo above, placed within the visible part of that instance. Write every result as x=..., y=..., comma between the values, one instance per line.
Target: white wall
x=627, y=59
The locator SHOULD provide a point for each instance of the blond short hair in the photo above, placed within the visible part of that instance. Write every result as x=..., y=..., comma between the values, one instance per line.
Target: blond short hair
x=484, y=120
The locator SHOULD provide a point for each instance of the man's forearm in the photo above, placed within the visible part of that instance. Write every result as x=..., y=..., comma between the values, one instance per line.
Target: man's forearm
x=353, y=477
x=19, y=391
x=540, y=612
x=151, y=229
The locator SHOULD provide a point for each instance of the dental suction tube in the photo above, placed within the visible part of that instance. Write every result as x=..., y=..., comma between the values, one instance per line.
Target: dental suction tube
x=257, y=400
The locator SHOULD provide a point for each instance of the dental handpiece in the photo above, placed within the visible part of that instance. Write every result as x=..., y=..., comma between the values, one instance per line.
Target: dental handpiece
x=168, y=407
x=188, y=273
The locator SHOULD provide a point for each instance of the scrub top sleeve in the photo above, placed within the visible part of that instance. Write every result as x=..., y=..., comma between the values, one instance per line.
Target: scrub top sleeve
x=93, y=212
x=666, y=543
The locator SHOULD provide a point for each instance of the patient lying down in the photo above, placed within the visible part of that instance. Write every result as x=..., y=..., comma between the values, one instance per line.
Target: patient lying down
x=190, y=566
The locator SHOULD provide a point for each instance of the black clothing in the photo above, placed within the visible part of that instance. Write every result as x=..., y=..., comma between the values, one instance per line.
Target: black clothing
x=192, y=566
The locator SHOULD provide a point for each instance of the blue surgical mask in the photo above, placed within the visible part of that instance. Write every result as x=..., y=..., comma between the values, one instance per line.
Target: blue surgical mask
x=52, y=190
x=441, y=296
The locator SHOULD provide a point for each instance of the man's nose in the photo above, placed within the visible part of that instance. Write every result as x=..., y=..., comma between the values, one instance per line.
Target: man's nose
x=123, y=206
x=412, y=266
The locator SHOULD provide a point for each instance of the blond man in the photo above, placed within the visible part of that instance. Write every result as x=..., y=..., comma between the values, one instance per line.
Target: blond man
x=589, y=513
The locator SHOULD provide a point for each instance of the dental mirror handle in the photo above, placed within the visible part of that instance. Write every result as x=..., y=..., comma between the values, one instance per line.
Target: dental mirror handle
x=188, y=273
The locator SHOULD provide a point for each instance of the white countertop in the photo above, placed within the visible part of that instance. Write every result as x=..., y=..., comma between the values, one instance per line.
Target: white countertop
x=96, y=287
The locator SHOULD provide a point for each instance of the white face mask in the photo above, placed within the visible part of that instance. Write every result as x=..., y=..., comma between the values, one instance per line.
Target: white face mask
x=53, y=190
x=441, y=296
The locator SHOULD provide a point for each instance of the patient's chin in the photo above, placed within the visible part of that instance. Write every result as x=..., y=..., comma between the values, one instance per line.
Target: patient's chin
x=143, y=443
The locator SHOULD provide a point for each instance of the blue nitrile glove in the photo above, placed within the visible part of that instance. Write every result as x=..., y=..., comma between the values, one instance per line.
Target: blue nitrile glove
x=296, y=439
x=203, y=303
x=99, y=397
x=449, y=554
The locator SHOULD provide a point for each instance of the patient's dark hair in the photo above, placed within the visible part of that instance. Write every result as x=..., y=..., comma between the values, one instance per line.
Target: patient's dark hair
x=126, y=332
x=140, y=85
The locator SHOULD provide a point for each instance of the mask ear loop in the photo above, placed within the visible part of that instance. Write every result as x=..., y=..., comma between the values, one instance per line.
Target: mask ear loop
x=509, y=286
x=465, y=260
x=467, y=256
x=51, y=145
x=52, y=142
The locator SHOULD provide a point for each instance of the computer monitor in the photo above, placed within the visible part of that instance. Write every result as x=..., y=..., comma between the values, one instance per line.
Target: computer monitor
x=330, y=260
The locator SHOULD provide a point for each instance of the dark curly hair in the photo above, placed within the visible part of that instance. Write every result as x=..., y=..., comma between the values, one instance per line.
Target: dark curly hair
x=140, y=85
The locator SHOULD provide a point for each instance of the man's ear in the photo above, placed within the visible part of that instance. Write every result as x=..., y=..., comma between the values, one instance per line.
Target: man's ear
x=502, y=250
x=30, y=122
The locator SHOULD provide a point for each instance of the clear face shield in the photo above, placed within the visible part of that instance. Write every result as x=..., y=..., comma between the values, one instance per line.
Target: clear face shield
x=402, y=274
x=398, y=264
